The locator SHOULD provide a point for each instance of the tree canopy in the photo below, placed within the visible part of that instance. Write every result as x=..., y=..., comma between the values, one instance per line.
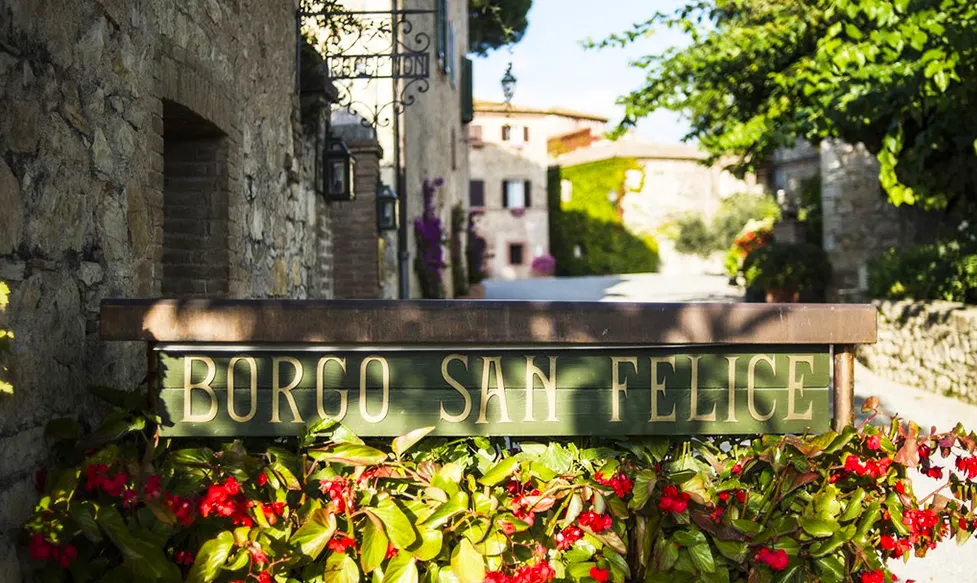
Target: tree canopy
x=496, y=23
x=899, y=76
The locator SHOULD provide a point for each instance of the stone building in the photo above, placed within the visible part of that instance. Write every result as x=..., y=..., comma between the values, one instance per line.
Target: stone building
x=508, y=152
x=155, y=149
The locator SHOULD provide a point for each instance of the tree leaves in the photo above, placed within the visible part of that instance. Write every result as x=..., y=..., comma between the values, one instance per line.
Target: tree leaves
x=313, y=536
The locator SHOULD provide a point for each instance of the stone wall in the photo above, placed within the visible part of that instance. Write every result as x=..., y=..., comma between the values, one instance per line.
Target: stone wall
x=355, y=267
x=927, y=345
x=95, y=94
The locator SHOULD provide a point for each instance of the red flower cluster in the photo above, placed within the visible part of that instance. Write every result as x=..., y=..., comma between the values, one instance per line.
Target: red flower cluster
x=776, y=560
x=968, y=466
x=540, y=572
x=262, y=479
x=876, y=576
x=339, y=493
x=673, y=500
x=340, y=543
x=97, y=478
x=273, y=511
x=264, y=577
x=873, y=442
x=524, y=505
x=257, y=553
x=621, y=483
x=739, y=494
x=226, y=500
x=751, y=241
x=184, y=557
x=924, y=524
x=599, y=575
x=873, y=468
x=181, y=507
x=895, y=547
x=566, y=537
x=42, y=549
x=595, y=522
x=391, y=551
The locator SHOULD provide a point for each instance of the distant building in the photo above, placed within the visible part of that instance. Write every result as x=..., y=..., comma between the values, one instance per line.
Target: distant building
x=508, y=157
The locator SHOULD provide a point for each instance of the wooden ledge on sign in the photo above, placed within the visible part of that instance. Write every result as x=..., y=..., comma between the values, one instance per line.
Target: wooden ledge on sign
x=433, y=322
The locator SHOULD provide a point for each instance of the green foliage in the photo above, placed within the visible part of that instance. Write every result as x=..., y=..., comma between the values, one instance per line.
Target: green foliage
x=459, y=275
x=496, y=23
x=694, y=236
x=736, y=211
x=590, y=221
x=475, y=253
x=330, y=508
x=792, y=266
x=811, y=213
x=946, y=270
x=756, y=76
x=6, y=340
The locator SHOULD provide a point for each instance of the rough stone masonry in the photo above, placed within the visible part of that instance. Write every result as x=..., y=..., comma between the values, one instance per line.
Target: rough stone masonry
x=146, y=148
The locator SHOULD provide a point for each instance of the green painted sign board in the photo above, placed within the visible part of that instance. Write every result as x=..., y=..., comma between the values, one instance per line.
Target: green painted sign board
x=208, y=390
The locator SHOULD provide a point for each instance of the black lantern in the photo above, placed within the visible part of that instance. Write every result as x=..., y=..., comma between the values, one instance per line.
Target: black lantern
x=338, y=176
x=508, y=84
x=387, y=209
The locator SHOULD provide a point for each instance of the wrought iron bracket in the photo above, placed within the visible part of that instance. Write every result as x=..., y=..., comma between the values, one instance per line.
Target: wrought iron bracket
x=360, y=47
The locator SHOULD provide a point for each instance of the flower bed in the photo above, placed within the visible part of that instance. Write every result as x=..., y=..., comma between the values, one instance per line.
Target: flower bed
x=328, y=507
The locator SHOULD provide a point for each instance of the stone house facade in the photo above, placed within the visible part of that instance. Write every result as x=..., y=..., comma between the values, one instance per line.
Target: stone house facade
x=151, y=149
x=509, y=156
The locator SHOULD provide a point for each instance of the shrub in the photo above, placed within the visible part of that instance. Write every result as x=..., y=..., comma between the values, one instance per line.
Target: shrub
x=459, y=277
x=329, y=508
x=753, y=236
x=736, y=211
x=475, y=253
x=544, y=265
x=945, y=270
x=793, y=266
x=694, y=236
x=430, y=238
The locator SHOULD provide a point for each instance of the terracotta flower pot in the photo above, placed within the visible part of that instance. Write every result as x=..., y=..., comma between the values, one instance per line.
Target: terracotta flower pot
x=782, y=295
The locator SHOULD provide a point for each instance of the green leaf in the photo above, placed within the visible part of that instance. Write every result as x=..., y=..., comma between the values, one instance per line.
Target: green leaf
x=350, y=454
x=431, y=542
x=556, y=458
x=499, y=471
x=141, y=557
x=374, y=549
x=239, y=561
x=400, y=530
x=665, y=554
x=832, y=569
x=792, y=574
x=620, y=571
x=201, y=456
x=291, y=482
x=574, y=508
x=63, y=428
x=733, y=550
x=409, y=440
x=688, y=538
x=747, y=527
x=211, y=557
x=84, y=515
x=467, y=564
x=445, y=512
x=340, y=568
x=401, y=569
x=818, y=527
x=313, y=536
x=702, y=557
x=579, y=571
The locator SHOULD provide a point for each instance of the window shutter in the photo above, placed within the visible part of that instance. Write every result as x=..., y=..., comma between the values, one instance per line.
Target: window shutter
x=505, y=133
x=525, y=133
x=442, y=33
x=528, y=192
x=505, y=194
x=467, y=93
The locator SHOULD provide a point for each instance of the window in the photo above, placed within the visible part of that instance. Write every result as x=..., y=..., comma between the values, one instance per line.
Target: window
x=476, y=194
x=475, y=134
x=506, y=133
x=442, y=34
x=513, y=194
x=516, y=252
x=566, y=190
x=525, y=133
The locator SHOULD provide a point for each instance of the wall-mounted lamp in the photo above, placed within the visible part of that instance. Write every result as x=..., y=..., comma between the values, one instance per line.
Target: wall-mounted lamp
x=338, y=177
x=387, y=209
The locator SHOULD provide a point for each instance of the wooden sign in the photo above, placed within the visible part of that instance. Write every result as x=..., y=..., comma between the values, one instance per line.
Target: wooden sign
x=530, y=391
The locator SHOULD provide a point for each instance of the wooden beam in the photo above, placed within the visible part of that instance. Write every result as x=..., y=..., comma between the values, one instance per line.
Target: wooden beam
x=844, y=385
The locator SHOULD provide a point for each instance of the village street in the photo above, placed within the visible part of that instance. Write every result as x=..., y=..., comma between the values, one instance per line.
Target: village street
x=948, y=562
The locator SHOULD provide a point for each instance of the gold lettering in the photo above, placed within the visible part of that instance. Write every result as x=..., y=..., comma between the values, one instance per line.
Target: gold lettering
x=254, y=388
x=320, y=382
x=488, y=363
x=189, y=386
x=694, y=413
x=751, y=386
x=549, y=385
x=659, y=388
x=797, y=384
x=618, y=386
x=385, y=384
x=277, y=389
x=456, y=386
x=731, y=391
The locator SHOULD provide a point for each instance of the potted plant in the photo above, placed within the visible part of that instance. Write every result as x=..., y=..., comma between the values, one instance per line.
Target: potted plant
x=786, y=270
x=475, y=252
x=544, y=266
